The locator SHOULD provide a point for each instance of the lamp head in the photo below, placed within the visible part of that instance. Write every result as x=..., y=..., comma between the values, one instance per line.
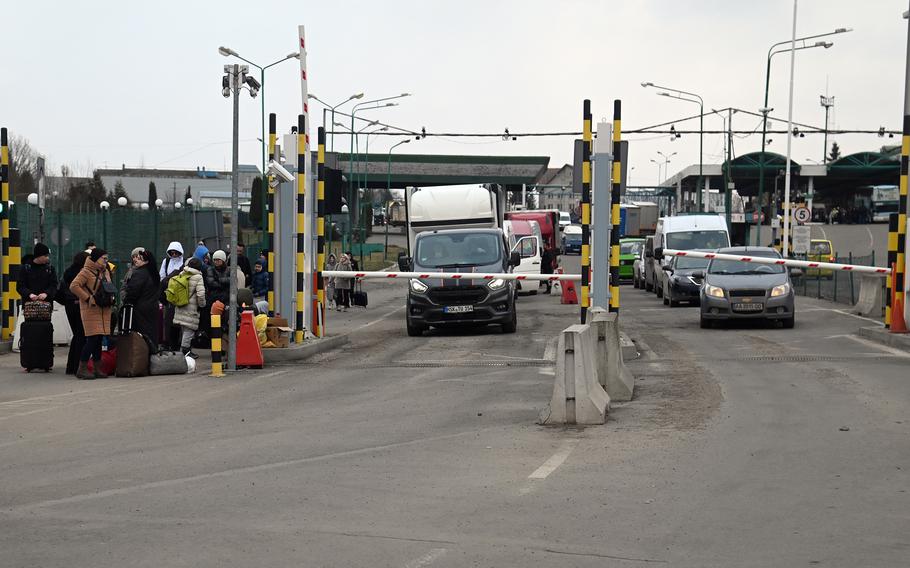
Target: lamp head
x=177, y=205
x=293, y=55
x=104, y=205
x=33, y=199
x=226, y=51
x=843, y=30
x=647, y=84
x=159, y=202
x=121, y=201
x=357, y=96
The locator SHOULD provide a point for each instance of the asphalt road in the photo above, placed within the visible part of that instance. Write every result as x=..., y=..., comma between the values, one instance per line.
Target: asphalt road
x=749, y=446
x=861, y=240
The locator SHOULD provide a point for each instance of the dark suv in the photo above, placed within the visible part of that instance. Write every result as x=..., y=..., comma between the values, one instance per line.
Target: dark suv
x=444, y=302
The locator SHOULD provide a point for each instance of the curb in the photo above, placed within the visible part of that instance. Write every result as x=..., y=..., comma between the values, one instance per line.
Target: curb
x=308, y=349
x=883, y=336
x=629, y=350
x=6, y=347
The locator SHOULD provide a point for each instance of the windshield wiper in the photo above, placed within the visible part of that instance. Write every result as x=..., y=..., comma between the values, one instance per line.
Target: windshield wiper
x=455, y=265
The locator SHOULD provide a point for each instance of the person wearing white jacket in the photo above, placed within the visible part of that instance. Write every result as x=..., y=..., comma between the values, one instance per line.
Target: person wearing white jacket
x=173, y=262
x=187, y=317
x=170, y=266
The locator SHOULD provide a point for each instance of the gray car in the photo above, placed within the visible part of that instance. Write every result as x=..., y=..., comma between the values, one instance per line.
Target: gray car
x=738, y=290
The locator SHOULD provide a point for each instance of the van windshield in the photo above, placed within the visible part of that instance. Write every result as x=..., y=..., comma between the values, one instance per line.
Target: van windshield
x=463, y=249
x=688, y=240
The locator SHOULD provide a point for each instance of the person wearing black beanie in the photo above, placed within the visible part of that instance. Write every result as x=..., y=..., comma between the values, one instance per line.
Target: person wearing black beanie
x=37, y=279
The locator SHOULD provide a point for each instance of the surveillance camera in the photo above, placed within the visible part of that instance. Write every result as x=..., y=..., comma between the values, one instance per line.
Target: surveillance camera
x=278, y=171
x=253, y=83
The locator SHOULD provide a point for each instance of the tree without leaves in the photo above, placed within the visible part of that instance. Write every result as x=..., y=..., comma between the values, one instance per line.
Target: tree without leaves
x=22, y=168
x=153, y=195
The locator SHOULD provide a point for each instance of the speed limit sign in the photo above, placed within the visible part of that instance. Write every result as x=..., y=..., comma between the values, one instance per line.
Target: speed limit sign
x=802, y=214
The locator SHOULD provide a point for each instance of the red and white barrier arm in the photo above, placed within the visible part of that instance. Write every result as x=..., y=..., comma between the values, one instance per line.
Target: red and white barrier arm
x=876, y=270
x=452, y=275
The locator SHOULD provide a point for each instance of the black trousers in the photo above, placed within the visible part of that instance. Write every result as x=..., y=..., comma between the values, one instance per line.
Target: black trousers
x=92, y=349
x=78, y=341
x=344, y=297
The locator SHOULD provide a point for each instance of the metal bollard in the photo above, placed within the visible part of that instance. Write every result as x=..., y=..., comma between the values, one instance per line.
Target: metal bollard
x=217, y=369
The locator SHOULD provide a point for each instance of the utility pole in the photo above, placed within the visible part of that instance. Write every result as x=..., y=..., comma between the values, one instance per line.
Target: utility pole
x=826, y=102
x=234, y=71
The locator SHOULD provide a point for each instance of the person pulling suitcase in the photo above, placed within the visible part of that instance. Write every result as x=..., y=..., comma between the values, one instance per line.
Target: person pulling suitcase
x=38, y=286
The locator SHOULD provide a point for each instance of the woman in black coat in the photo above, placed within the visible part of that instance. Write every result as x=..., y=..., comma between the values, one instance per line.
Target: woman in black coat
x=142, y=295
x=71, y=306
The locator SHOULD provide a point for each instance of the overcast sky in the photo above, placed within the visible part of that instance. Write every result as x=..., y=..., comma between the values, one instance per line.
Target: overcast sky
x=100, y=83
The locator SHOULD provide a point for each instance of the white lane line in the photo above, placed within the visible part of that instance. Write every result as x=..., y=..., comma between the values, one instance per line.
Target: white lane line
x=427, y=558
x=232, y=472
x=871, y=238
x=875, y=345
x=842, y=312
x=377, y=320
x=555, y=460
x=824, y=235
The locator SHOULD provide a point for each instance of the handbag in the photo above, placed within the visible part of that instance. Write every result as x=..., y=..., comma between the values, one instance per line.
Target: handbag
x=104, y=292
x=36, y=311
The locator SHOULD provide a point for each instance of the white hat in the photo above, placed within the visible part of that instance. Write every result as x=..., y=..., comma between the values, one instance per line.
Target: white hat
x=220, y=255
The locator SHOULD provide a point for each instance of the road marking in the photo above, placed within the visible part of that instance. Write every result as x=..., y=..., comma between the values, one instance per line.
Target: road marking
x=842, y=312
x=379, y=319
x=884, y=348
x=871, y=238
x=824, y=235
x=427, y=558
x=555, y=460
x=234, y=471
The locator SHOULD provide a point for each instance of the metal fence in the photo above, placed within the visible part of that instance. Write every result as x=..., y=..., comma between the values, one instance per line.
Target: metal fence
x=835, y=286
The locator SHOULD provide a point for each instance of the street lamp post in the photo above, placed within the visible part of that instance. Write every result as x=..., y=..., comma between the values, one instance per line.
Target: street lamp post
x=104, y=207
x=765, y=109
x=326, y=106
x=385, y=250
x=357, y=107
x=826, y=102
x=701, y=130
x=233, y=81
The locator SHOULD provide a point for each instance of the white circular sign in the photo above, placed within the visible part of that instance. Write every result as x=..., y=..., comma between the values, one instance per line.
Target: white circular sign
x=802, y=214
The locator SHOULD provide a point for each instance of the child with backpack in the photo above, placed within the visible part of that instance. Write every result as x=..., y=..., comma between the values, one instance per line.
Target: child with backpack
x=186, y=292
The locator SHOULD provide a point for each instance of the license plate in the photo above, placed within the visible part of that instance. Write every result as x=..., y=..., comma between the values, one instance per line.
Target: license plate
x=748, y=307
x=458, y=309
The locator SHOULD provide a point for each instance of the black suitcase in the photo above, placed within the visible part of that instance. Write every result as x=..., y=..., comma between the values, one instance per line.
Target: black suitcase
x=359, y=297
x=36, y=345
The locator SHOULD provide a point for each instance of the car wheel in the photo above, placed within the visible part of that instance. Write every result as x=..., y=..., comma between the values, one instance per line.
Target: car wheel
x=512, y=326
x=414, y=330
x=789, y=322
x=704, y=323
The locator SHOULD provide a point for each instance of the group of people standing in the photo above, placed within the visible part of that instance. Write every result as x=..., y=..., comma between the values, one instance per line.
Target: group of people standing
x=167, y=314
x=338, y=289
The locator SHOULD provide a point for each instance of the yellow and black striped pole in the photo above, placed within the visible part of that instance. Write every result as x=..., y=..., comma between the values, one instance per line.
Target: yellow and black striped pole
x=614, y=201
x=892, y=261
x=15, y=260
x=301, y=242
x=900, y=302
x=5, y=329
x=319, y=312
x=587, y=139
x=217, y=368
x=270, y=220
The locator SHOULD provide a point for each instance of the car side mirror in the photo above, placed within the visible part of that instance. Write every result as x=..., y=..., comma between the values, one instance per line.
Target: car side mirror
x=404, y=263
x=659, y=253
x=698, y=274
x=796, y=273
x=515, y=258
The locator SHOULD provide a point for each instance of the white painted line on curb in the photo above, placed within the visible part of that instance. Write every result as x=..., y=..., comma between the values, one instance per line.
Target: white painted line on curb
x=427, y=558
x=555, y=460
x=842, y=312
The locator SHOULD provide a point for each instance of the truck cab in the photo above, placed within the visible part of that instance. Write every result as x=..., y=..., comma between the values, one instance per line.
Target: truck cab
x=435, y=302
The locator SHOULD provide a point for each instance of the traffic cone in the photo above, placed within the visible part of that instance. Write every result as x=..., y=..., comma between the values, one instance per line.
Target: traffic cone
x=249, y=353
x=568, y=295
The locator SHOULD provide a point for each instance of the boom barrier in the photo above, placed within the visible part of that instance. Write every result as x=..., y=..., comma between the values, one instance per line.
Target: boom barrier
x=454, y=275
x=879, y=271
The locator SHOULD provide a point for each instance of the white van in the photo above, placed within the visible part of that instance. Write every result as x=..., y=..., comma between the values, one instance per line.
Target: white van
x=524, y=238
x=685, y=232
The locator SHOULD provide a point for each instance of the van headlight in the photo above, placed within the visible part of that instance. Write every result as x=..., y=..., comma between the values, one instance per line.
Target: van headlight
x=781, y=290
x=496, y=284
x=418, y=287
x=714, y=291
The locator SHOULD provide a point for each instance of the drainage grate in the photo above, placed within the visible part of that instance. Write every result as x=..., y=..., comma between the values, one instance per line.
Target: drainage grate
x=469, y=363
x=888, y=359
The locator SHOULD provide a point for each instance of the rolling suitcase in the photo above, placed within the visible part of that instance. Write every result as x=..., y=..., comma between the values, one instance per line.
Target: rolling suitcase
x=132, y=348
x=36, y=345
x=358, y=296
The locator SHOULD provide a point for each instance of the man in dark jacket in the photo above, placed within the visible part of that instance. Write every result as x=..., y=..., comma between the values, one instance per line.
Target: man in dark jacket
x=548, y=262
x=217, y=280
x=38, y=280
x=243, y=263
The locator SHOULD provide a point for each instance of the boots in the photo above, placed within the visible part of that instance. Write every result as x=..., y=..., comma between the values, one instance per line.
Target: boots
x=82, y=372
x=98, y=373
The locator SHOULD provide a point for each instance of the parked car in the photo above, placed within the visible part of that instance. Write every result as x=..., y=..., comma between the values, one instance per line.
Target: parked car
x=629, y=250
x=571, y=239
x=735, y=290
x=638, y=266
x=649, y=278
x=685, y=232
x=682, y=284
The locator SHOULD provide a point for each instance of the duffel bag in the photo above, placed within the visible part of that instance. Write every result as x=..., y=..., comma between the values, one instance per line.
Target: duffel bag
x=167, y=363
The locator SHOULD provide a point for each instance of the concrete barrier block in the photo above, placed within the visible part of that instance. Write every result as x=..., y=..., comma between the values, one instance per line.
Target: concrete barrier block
x=577, y=396
x=869, y=301
x=616, y=378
